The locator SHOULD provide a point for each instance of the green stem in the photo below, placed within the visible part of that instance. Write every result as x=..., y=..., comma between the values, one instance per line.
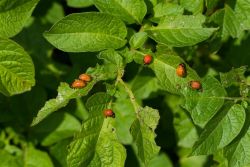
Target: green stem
x=131, y=95
x=119, y=76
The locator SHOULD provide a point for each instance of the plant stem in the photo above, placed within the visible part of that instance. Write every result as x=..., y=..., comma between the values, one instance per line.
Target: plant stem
x=130, y=94
x=119, y=75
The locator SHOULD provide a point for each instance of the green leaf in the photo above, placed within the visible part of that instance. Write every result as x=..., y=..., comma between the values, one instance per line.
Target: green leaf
x=138, y=39
x=143, y=134
x=57, y=127
x=179, y=31
x=203, y=105
x=221, y=130
x=59, y=151
x=87, y=32
x=36, y=158
x=228, y=21
x=161, y=160
x=186, y=130
x=220, y=159
x=242, y=10
x=79, y=3
x=96, y=144
x=237, y=153
x=165, y=66
x=65, y=94
x=49, y=71
x=196, y=102
x=231, y=24
x=7, y=159
x=197, y=161
x=110, y=56
x=167, y=9
x=234, y=76
x=194, y=6
x=144, y=84
x=124, y=115
x=55, y=13
x=126, y=54
x=113, y=62
x=14, y=15
x=17, y=69
x=130, y=11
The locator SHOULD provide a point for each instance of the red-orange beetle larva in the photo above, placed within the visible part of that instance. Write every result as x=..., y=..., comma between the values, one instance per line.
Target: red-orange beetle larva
x=195, y=85
x=85, y=77
x=147, y=59
x=181, y=70
x=109, y=113
x=77, y=84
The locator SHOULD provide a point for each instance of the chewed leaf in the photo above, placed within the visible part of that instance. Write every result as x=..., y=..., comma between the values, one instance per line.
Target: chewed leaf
x=212, y=92
x=165, y=66
x=96, y=144
x=65, y=94
x=143, y=134
x=203, y=104
x=235, y=76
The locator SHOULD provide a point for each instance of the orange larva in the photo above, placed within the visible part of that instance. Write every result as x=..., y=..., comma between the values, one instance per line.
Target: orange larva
x=195, y=85
x=147, y=59
x=85, y=77
x=78, y=84
x=181, y=70
x=108, y=113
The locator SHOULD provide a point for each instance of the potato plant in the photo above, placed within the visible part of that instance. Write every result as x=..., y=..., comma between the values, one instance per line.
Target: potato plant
x=114, y=83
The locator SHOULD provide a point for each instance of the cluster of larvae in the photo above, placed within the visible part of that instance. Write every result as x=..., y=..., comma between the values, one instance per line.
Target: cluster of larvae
x=181, y=71
x=81, y=82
